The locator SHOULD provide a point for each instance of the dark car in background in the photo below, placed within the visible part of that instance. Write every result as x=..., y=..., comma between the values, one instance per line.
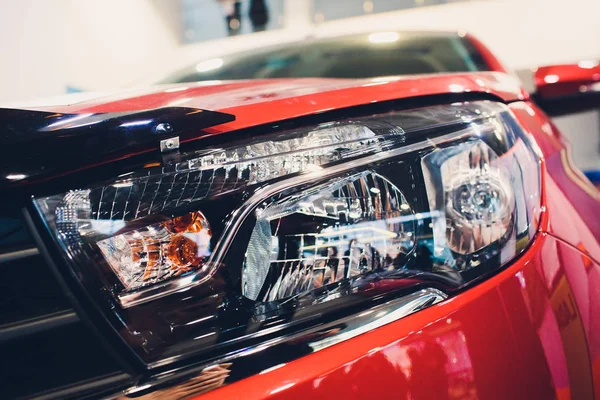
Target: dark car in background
x=354, y=56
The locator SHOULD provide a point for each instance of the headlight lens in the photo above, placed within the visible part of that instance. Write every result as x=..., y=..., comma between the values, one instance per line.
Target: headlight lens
x=158, y=252
x=277, y=233
x=328, y=234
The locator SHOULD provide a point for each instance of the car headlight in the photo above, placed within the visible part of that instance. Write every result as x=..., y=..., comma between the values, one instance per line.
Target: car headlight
x=280, y=232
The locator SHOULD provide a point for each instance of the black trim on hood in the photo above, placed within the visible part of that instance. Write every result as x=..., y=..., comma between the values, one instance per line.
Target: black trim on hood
x=39, y=145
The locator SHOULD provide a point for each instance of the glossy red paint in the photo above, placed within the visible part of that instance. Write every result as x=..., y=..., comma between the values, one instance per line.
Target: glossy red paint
x=490, y=59
x=567, y=79
x=518, y=335
x=573, y=203
x=260, y=102
x=532, y=331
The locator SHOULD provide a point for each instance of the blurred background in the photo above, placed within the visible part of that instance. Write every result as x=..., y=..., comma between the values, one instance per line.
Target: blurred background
x=53, y=47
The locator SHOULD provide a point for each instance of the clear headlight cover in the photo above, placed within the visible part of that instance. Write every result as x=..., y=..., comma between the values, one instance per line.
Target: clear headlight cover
x=280, y=232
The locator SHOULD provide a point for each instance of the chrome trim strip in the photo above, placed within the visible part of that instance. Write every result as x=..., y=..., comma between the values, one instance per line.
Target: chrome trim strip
x=240, y=362
x=383, y=315
x=87, y=389
x=15, y=255
x=36, y=325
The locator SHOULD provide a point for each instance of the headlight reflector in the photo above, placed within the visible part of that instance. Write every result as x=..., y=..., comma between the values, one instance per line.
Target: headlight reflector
x=159, y=251
x=327, y=234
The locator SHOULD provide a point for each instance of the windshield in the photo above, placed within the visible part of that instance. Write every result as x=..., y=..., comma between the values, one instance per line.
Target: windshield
x=357, y=56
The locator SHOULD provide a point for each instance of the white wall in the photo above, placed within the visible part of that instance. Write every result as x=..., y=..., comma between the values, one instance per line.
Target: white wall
x=118, y=39
x=521, y=32
x=49, y=44
x=91, y=44
x=32, y=62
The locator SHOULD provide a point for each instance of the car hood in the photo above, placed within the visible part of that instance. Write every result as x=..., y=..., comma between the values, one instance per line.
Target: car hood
x=218, y=95
x=41, y=154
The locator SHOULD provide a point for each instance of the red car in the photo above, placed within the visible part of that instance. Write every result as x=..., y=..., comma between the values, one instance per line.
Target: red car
x=407, y=237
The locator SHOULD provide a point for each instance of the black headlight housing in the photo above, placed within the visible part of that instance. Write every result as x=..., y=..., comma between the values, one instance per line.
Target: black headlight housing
x=232, y=246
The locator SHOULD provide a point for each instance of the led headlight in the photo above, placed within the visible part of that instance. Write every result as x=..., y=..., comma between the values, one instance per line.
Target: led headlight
x=278, y=233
